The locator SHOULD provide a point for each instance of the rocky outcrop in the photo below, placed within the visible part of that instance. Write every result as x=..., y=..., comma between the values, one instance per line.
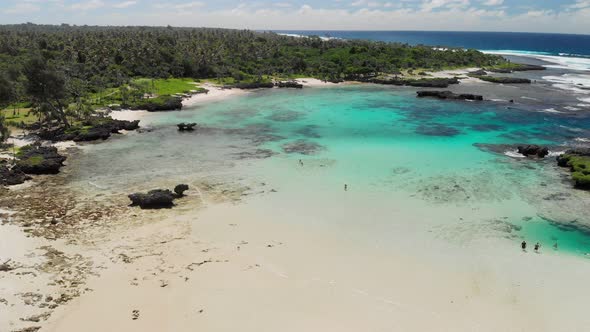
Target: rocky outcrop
x=186, y=126
x=250, y=86
x=533, y=150
x=289, y=84
x=578, y=161
x=98, y=128
x=516, y=67
x=423, y=82
x=503, y=80
x=479, y=72
x=167, y=103
x=35, y=159
x=10, y=176
x=180, y=189
x=447, y=95
x=158, y=198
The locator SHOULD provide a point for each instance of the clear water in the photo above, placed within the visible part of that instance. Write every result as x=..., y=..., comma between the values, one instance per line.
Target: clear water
x=421, y=156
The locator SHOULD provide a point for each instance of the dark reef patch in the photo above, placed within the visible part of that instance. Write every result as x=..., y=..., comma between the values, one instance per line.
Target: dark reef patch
x=486, y=127
x=437, y=130
x=285, y=116
x=309, y=131
x=302, y=147
x=255, y=154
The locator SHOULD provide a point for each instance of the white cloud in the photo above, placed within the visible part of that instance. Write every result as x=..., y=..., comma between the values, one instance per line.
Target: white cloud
x=189, y=5
x=87, y=5
x=580, y=4
x=429, y=5
x=492, y=2
x=22, y=8
x=125, y=4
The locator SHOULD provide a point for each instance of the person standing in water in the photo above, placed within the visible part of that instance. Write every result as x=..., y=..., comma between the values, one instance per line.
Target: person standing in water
x=345, y=187
x=523, y=245
x=300, y=162
x=537, y=246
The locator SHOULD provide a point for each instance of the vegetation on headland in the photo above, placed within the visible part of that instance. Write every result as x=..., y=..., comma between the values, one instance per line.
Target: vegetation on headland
x=579, y=163
x=65, y=72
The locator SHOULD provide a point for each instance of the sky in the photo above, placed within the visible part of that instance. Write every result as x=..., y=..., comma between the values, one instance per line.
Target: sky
x=560, y=16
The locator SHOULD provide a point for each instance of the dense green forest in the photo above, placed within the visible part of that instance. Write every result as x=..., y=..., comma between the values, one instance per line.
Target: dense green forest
x=56, y=68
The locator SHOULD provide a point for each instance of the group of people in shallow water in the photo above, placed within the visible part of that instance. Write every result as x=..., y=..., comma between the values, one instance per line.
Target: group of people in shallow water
x=345, y=185
x=537, y=246
x=523, y=246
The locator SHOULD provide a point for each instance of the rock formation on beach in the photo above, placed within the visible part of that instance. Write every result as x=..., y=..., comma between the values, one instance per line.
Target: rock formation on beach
x=11, y=175
x=533, y=150
x=158, y=198
x=447, y=95
x=186, y=126
x=502, y=80
x=97, y=128
x=35, y=159
x=289, y=84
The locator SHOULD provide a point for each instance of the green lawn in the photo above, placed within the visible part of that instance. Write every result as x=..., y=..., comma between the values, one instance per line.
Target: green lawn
x=169, y=86
x=21, y=115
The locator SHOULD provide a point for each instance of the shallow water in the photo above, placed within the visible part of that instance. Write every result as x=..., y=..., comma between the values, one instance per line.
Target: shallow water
x=411, y=165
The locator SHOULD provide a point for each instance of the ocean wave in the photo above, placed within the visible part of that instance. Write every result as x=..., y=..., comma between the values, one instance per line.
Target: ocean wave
x=513, y=154
x=551, y=110
x=578, y=83
x=304, y=36
x=582, y=139
x=555, y=153
x=571, y=108
x=562, y=62
x=585, y=100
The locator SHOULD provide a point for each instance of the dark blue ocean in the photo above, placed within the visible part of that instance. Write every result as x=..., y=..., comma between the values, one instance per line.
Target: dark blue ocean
x=542, y=43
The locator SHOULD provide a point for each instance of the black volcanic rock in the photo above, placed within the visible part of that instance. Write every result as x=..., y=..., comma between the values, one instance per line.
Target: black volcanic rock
x=289, y=84
x=153, y=199
x=34, y=159
x=10, y=176
x=447, y=95
x=98, y=128
x=158, y=198
x=533, y=150
x=186, y=126
x=180, y=189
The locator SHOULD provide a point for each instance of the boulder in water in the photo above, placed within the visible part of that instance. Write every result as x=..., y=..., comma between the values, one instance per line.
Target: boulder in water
x=533, y=150
x=186, y=126
x=153, y=199
x=180, y=189
x=158, y=198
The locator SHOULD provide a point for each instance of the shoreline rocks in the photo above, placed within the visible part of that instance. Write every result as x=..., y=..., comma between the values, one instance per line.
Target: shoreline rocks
x=97, y=128
x=533, y=150
x=35, y=159
x=289, y=84
x=186, y=126
x=502, y=80
x=447, y=95
x=12, y=175
x=158, y=198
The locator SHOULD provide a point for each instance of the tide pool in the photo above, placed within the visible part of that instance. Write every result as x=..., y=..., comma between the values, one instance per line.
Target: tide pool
x=410, y=164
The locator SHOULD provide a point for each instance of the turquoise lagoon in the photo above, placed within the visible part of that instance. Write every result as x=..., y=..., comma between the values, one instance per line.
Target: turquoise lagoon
x=412, y=165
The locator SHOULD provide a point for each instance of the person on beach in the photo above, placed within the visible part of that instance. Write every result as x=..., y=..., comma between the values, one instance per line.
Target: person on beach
x=523, y=245
x=300, y=162
x=537, y=246
x=345, y=187
x=555, y=246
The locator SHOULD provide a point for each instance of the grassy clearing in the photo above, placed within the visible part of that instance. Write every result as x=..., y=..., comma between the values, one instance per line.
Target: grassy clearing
x=19, y=116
